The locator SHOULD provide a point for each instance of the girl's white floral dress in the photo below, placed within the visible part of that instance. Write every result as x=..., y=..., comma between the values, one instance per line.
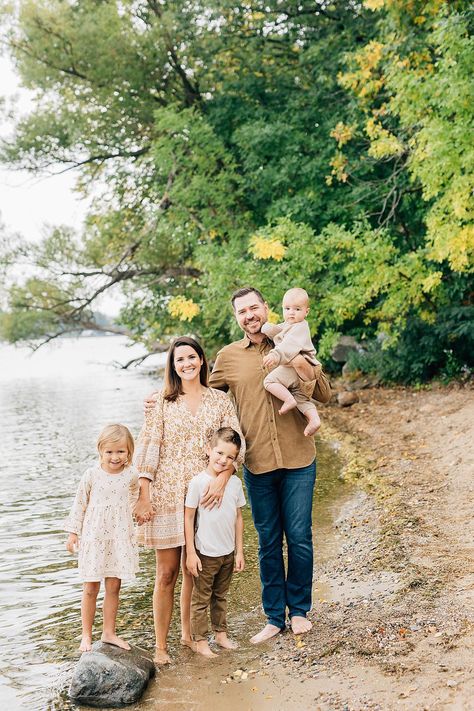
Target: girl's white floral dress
x=101, y=515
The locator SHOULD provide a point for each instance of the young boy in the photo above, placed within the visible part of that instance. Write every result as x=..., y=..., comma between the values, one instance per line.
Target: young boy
x=215, y=549
x=291, y=338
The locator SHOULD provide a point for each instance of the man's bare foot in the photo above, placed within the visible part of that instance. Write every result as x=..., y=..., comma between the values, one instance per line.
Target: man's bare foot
x=288, y=404
x=202, y=647
x=314, y=423
x=268, y=632
x=223, y=641
x=86, y=643
x=300, y=625
x=161, y=657
x=115, y=640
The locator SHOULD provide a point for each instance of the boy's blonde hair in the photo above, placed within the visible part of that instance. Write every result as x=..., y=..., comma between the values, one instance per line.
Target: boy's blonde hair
x=114, y=433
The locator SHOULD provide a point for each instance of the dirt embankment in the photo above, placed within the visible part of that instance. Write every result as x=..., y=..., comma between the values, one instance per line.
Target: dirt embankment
x=397, y=628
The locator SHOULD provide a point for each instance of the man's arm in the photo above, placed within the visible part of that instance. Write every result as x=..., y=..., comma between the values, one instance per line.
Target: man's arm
x=217, y=378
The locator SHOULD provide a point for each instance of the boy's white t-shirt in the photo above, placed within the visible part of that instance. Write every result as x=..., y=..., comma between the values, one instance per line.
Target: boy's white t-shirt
x=215, y=533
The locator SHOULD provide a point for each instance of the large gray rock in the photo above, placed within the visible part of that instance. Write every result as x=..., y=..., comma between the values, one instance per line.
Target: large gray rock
x=109, y=676
x=346, y=399
x=344, y=346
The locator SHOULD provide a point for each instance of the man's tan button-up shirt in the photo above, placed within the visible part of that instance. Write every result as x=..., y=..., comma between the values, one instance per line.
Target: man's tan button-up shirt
x=273, y=441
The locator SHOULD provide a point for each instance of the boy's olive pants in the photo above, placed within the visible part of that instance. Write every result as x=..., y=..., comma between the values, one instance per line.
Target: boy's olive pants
x=209, y=591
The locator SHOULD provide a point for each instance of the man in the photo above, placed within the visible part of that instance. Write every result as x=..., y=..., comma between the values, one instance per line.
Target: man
x=280, y=467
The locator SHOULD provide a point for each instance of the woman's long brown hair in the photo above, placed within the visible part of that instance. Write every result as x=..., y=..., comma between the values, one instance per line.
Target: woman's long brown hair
x=173, y=386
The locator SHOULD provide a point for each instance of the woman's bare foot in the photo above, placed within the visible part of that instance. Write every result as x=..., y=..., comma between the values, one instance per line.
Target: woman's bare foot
x=202, y=647
x=223, y=641
x=300, y=625
x=161, y=657
x=268, y=632
x=86, y=643
x=288, y=404
x=115, y=640
x=188, y=643
x=314, y=423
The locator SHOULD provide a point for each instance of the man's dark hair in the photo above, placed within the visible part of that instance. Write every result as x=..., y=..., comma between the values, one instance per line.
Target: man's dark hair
x=226, y=434
x=243, y=292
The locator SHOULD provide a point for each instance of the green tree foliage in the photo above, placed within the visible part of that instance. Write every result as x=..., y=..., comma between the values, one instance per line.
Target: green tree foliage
x=323, y=144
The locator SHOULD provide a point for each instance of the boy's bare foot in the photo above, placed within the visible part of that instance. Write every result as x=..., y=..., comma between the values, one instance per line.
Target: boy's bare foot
x=300, y=625
x=161, y=657
x=223, y=641
x=202, y=647
x=314, y=423
x=268, y=632
x=86, y=643
x=288, y=404
x=115, y=640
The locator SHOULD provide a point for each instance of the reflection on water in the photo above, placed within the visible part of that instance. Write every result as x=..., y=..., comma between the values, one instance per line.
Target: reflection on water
x=52, y=406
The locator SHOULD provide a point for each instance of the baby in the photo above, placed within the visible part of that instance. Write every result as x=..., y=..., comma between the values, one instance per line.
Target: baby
x=291, y=338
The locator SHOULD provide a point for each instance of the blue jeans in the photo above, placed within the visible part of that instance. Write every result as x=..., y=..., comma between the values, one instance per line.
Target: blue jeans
x=281, y=502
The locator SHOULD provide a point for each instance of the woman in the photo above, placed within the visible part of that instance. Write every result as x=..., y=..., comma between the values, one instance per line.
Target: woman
x=171, y=449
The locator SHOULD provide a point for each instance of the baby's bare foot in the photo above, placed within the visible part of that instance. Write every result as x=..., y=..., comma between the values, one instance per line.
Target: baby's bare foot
x=86, y=643
x=202, y=647
x=314, y=423
x=115, y=640
x=288, y=404
x=161, y=657
x=224, y=642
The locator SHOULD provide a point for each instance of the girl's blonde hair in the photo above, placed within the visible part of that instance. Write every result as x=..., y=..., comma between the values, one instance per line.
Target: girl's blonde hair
x=114, y=433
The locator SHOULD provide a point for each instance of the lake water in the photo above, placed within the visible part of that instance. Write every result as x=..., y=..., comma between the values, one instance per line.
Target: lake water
x=52, y=406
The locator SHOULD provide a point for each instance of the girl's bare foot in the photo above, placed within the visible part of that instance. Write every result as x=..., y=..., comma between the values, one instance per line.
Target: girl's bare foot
x=288, y=404
x=268, y=632
x=223, y=641
x=115, y=640
x=300, y=625
x=161, y=657
x=202, y=647
x=86, y=643
x=314, y=423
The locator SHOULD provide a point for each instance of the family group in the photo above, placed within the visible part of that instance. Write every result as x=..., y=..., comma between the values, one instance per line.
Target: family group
x=180, y=483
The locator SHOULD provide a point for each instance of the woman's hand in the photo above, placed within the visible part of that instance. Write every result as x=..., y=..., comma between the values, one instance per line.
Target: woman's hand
x=150, y=401
x=212, y=496
x=143, y=511
x=193, y=564
x=72, y=543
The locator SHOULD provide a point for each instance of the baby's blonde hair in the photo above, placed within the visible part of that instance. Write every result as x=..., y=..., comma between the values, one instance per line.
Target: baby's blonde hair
x=298, y=292
x=114, y=433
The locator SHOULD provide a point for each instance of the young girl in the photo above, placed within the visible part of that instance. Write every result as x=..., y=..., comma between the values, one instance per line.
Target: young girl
x=102, y=517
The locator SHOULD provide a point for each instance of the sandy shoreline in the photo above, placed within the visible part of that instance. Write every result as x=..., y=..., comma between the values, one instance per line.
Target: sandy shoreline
x=393, y=618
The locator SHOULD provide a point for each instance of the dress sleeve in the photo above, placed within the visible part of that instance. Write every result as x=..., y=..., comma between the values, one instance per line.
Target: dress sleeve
x=147, y=453
x=271, y=329
x=217, y=378
x=134, y=488
x=73, y=523
x=229, y=419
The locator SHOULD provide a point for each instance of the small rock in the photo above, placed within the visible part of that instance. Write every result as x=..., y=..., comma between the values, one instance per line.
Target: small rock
x=346, y=399
x=109, y=676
